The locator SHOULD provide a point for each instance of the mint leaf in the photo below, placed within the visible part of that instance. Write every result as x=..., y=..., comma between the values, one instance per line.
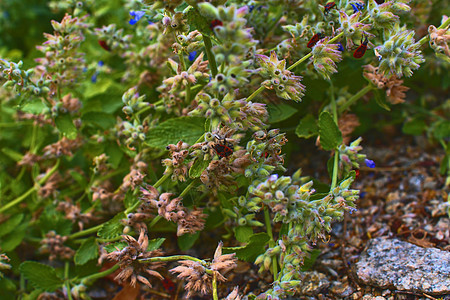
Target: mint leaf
x=186, y=129
x=40, y=275
x=113, y=228
x=414, y=127
x=280, y=112
x=186, y=241
x=250, y=251
x=198, y=167
x=155, y=244
x=65, y=125
x=307, y=127
x=87, y=251
x=10, y=224
x=243, y=233
x=115, y=246
x=330, y=135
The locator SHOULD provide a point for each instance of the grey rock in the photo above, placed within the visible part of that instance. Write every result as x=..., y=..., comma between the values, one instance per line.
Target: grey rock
x=405, y=266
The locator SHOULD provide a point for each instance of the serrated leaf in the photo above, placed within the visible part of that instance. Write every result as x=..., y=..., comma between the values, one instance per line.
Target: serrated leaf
x=307, y=127
x=186, y=241
x=35, y=106
x=115, y=246
x=330, y=135
x=14, y=238
x=113, y=228
x=186, y=129
x=198, y=167
x=280, y=112
x=10, y=224
x=155, y=244
x=414, y=127
x=87, y=251
x=40, y=275
x=249, y=252
x=100, y=119
x=51, y=219
x=243, y=233
x=65, y=125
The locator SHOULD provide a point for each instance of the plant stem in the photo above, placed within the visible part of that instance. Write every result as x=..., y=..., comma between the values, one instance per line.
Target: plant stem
x=210, y=55
x=271, y=241
x=67, y=282
x=186, y=190
x=255, y=93
x=171, y=258
x=85, y=232
x=161, y=180
x=355, y=97
x=31, y=190
x=214, y=286
x=91, y=278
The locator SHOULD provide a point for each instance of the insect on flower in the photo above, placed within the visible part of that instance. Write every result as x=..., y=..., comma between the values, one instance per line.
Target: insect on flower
x=328, y=7
x=314, y=40
x=104, y=45
x=361, y=50
x=224, y=149
x=215, y=23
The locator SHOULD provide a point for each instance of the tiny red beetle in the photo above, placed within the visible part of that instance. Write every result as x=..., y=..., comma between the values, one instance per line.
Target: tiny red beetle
x=314, y=40
x=328, y=7
x=215, y=23
x=104, y=45
x=224, y=149
x=361, y=50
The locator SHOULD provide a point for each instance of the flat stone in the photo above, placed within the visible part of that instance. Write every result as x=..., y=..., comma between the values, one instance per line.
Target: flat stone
x=404, y=266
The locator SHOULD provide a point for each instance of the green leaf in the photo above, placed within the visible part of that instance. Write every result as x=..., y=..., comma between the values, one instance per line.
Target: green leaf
x=115, y=246
x=115, y=154
x=186, y=241
x=40, y=275
x=186, y=129
x=307, y=127
x=14, y=238
x=10, y=224
x=51, y=219
x=65, y=125
x=155, y=244
x=330, y=135
x=250, y=251
x=414, y=127
x=243, y=233
x=87, y=251
x=198, y=167
x=14, y=155
x=113, y=228
x=442, y=130
x=35, y=106
x=101, y=119
x=280, y=112
x=380, y=99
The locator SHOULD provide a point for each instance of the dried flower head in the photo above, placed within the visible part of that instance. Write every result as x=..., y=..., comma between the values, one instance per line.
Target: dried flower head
x=395, y=91
x=439, y=38
x=176, y=164
x=132, y=268
x=53, y=244
x=199, y=274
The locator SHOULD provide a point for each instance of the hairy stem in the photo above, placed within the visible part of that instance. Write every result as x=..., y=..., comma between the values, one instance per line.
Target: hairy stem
x=91, y=278
x=214, y=286
x=355, y=97
x=427, y=37
x=271, y=241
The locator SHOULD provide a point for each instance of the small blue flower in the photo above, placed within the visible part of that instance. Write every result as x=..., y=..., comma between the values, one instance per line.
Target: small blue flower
x=369, y=163
x=101, y=63
x=94, y=77
x=137, y=15
x=340, y=47
x=192, y=55
x=357, y=7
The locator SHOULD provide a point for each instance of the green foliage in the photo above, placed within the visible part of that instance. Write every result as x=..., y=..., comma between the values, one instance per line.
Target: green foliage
x=330, y=135
x=41, y=276
x=87, y=251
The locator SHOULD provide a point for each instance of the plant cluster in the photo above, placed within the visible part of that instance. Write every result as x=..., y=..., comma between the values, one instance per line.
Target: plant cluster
x=167, y=116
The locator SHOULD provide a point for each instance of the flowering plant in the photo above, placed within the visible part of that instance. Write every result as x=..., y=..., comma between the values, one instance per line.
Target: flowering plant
x=162, y=116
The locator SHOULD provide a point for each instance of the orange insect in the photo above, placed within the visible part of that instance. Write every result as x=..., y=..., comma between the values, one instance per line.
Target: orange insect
x=328, y=7
x=361, y=50
x=314, y=40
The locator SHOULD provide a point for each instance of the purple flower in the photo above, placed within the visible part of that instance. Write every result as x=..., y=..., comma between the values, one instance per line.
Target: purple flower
x=192, y=55
x=369, y=163
x=137, y=15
